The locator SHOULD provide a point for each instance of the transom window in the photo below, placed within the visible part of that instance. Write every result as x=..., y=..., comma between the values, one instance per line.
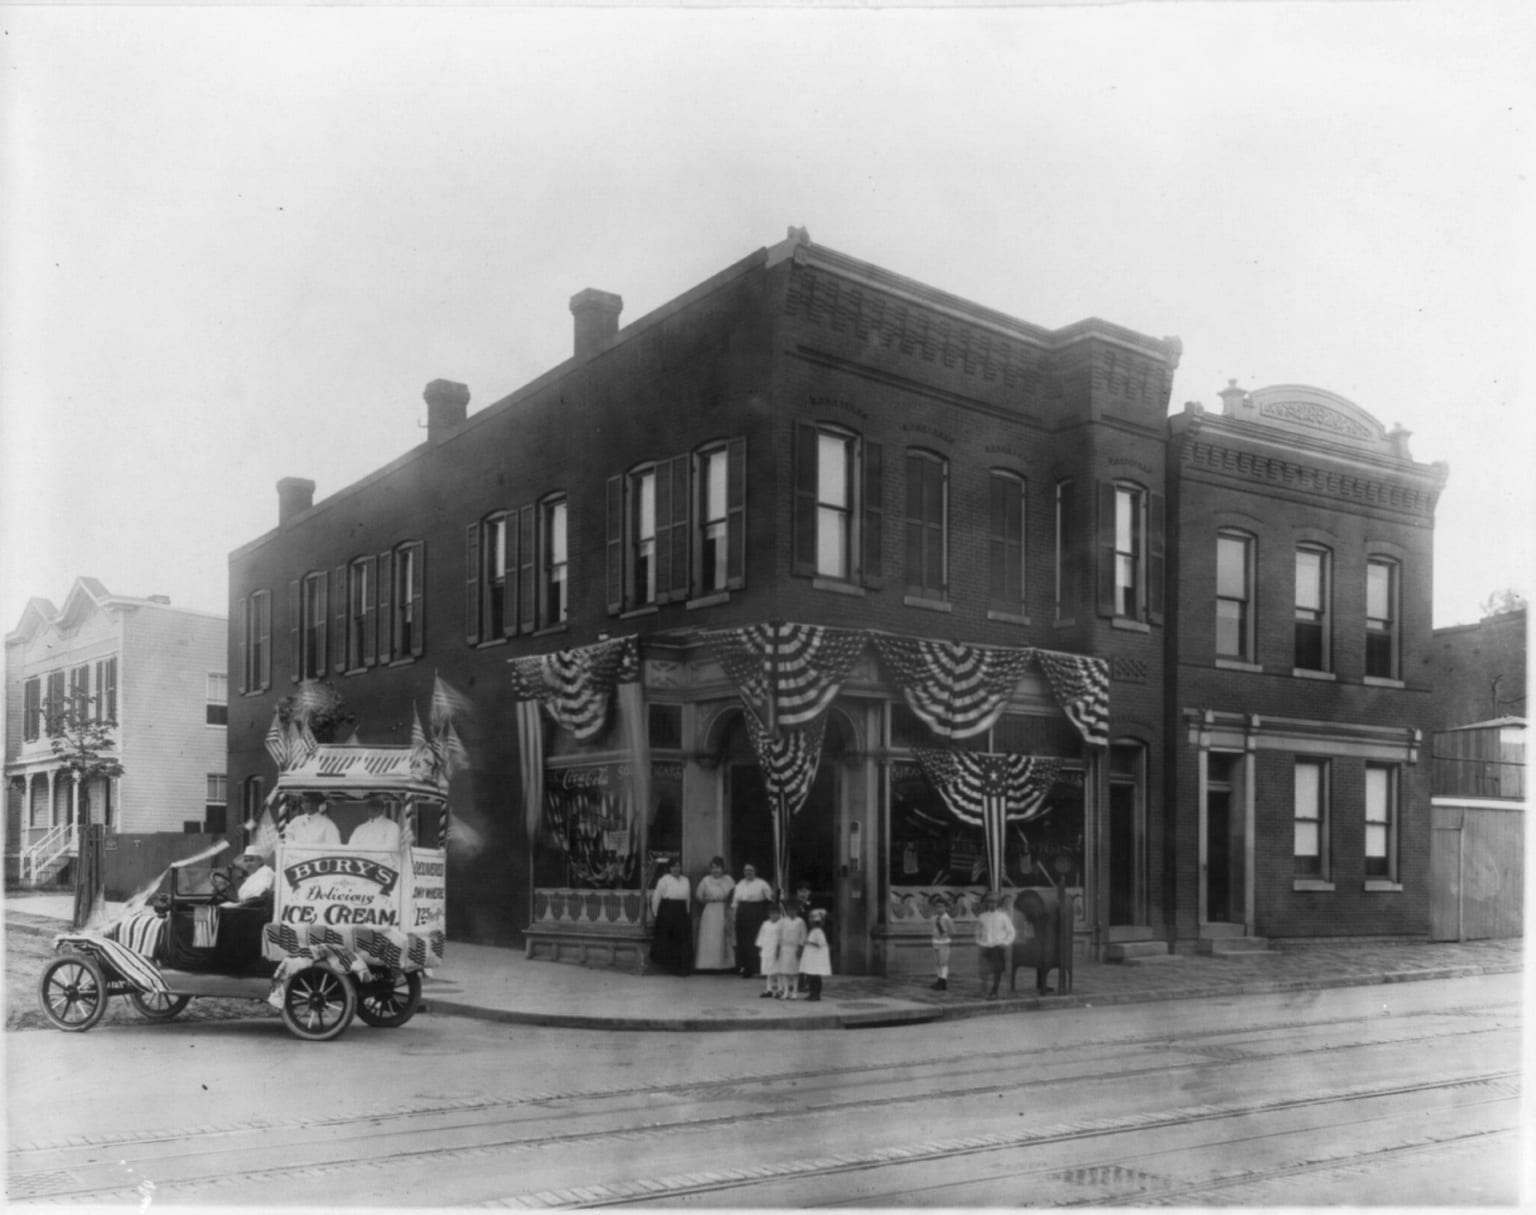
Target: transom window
x=1313, y=591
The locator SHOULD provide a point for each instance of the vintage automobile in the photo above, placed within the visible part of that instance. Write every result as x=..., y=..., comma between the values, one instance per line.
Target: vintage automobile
x=345, y=931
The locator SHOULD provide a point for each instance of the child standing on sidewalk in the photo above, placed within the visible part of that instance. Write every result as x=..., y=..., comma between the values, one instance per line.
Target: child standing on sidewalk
x=791, y=941
x=943, y=935
x=816, y=961
x=768, y=951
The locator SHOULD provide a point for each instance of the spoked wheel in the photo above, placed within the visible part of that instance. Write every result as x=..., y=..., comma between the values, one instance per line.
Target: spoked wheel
x=73, y=992
x=390, y=999
x=318, y=1004
x=157, y=1006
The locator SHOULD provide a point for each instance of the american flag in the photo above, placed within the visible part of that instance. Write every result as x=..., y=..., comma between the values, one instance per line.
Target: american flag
x=277, y=742
x=1081, y=685
x=576, y=686
x=787, y=674
x=957, y=690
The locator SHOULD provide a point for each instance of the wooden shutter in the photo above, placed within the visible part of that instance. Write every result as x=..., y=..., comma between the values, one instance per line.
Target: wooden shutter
x=245, y=640
x=322, y=633
x=803, y=556
x=370, y=611
x=386, y=603
x=1067, y=549
x=675, y=536
x=615, y=545
x=472, y=584
x=663, y=542
x=526, y=616
x=296, y=654
x=1156, y=557
x=736, y=514
x=264, y=631
x=340, y=614
x=418, y=606
x=1106, y=547
x=873, y=511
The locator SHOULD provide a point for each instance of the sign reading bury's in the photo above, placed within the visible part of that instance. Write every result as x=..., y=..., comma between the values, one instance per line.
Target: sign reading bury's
x=343, y=866
x=323, y=885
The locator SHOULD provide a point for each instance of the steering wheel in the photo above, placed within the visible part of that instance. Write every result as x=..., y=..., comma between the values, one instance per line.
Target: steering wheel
x=224, y=886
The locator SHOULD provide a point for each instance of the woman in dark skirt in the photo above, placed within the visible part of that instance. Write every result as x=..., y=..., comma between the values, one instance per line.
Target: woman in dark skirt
x=750, y=901
x=672, y=944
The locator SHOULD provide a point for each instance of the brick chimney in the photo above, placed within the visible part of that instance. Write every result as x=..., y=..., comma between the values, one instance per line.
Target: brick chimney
x=597, y=319
x=447, y=404
x=295, y=495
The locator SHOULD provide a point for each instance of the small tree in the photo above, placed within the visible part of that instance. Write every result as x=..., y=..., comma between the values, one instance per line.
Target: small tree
x=1502, y=602
x=84, y=746
x=321, y=704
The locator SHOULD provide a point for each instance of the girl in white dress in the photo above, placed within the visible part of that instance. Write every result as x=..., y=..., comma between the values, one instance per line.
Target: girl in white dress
x=768, y=951
x=816, y=961
x=791, y=942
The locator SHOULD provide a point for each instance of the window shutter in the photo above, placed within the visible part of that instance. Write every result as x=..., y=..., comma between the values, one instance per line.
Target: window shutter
x=371, y=611
x=418, y=614
x=736, y=514
x=803, y=557
x=1156, y=561
x=663, y=548
x=472, y=584
x=341, y=604
x=322, y=634
x=1106, y=548
x=615, y=545
x=873, y=515
x=245, y=642
x=527, y=573
x=294, y=653
x=997, y=542
x=264, y=628
x=386, y=601
x=1067, y=549
x=676, y=536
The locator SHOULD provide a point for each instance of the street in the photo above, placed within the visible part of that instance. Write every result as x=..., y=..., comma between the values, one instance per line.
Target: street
x=1386, y=1095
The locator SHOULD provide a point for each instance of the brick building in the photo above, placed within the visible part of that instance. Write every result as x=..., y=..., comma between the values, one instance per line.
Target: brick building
x=950, y=522
x=1301, y=550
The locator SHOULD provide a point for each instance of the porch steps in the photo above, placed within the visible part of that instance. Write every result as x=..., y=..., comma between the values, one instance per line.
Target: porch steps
x=1135, y=945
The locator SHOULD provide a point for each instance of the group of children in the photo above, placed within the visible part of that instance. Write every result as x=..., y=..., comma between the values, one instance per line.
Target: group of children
x=792, y=951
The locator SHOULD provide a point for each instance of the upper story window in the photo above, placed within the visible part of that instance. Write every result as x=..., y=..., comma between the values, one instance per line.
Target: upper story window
x=1234, y=596
x=1005, y=542
x=80, y=692
x=256, y=642
x=1130, y=552
x=1314, y=588
x=32, y=709
x=308, y=601
x=554, y=562
x=720, y=500
x=216, y=805
x=218, y=699
x=252, y=804
x=361, y=613
x=648, y=535
x=490, y=563
x=56, y=701
x=402, y=621
x=839, y=505
x=927, y=521
x=1311, y=818
x=1066, y=551
x=106, y=691
x=1382, y=638
x=1381, y=821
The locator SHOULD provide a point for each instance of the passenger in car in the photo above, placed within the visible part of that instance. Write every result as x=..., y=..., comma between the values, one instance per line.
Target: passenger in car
x=378, y=831
x=314, y=826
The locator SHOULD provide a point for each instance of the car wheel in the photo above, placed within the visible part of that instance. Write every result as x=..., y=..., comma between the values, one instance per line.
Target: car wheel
x=158, y=1006
x=73, y=993
x=390, y=999
x=318, y=1004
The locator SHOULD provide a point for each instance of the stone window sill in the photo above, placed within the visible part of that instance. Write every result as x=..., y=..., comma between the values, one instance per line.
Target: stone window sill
x=1323, y=676
x=707, y=601
x=1237, y=664
x=1383, y=886
x=837, y=587
x=1129, y=625
x=1312, y=884
x=1377, y=681
x=929, y=605
x=1006, y=617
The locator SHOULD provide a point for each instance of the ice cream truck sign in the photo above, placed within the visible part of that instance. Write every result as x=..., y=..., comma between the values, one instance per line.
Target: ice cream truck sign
x=344, y=887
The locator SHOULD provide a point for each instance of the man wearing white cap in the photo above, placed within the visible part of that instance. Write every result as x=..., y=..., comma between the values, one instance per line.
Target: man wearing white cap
x=259, y=878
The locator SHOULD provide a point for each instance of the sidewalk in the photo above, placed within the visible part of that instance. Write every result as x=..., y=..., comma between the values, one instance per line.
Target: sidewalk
x=501, y=985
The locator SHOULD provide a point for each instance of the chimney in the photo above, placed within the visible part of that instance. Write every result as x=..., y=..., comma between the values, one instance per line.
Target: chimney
x=1232, y=398
x=447, y=403
x=295, y=495
x=162, y=599
x=597, y=319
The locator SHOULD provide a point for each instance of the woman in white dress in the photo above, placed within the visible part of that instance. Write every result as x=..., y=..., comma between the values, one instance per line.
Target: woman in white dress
x=713, y=951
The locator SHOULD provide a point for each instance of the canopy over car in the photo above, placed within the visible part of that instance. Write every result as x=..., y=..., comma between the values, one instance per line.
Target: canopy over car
x=352, y=771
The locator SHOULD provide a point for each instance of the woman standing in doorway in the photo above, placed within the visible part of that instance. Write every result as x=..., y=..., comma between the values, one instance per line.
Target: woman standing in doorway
x=672, y=946
x=714, y=948
x=749, y=909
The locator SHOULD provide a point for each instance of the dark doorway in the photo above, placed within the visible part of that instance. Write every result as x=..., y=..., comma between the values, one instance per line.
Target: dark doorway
x=1218, y=850
x=1122, y=853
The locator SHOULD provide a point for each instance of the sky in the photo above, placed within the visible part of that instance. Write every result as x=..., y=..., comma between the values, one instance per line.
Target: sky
x=236, y=243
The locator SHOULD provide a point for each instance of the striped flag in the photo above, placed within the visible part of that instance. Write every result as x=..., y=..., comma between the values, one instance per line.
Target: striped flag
x=990, y=791
x=423, y=761
x=787, y=674
x=447, y=704
x=451, y=750
x=1081, y=685
x=957, y=690
x=576, y=686
x=789, y=761
x=277, y=742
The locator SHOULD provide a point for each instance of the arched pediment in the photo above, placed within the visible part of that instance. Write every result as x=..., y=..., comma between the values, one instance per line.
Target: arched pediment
x=1313, y=412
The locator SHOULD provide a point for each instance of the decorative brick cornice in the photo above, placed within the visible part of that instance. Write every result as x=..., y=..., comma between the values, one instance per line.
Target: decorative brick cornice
x=1412, y=498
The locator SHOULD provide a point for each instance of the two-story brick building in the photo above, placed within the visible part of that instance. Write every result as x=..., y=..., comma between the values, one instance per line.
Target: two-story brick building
x=156, y=670
x=811, y=534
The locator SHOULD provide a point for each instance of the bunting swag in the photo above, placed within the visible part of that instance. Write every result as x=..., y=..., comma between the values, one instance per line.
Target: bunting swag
x=957, y=690
x=789, y=761
x=990, y=791
x=786, y=674
x=575, y=686
x=1081, y=686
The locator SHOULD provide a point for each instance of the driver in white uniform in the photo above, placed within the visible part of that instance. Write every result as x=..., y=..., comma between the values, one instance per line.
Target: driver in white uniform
x=257, y=880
